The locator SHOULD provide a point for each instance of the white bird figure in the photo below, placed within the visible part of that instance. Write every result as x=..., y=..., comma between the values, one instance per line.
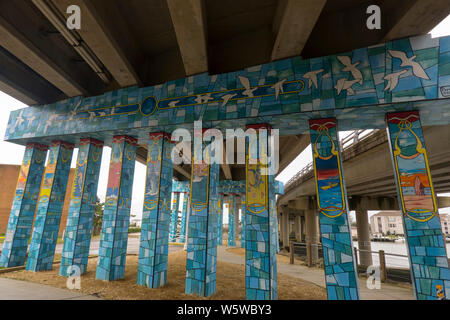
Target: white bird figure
x=49, y=122
x=91, y=115
x=418, y=70
x=246, y=84
x=349, y=66
x=392, y=80
x=312, y=78
x=19, y=119
x=278, y=87
x=102, y=114
x=173, y=104
x=203, y=98
x=226, y=98
x=344, y=84
x=31, y=120
x=73, y=113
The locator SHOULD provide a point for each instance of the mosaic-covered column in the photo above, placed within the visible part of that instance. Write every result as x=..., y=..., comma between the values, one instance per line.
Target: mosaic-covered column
x=417, y=201
x=182, y=237
x=77, y=237
x=260, y=234
x=50, y=206
x=24, y=206
x=174, y=217
x=243, y=210
x=202, y=228
x=338, y=255
x=231, y=221
x=220, y=220
x=116, y=216
x=154, y=246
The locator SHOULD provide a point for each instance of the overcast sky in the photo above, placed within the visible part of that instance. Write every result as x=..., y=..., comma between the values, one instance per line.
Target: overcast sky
x=12, y=154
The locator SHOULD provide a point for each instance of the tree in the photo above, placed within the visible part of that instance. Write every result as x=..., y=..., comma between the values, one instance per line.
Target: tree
x=98, y=217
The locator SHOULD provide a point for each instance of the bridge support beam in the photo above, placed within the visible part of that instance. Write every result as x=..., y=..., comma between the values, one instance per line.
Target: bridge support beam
x=298, y=227
x=182, y=237
x=338, y=255
x=260, y=233
x=231, y=221
x=202, y=229
x=174, y=217
x=312, y=237
x=417, y=201
x=220, y=220
x=77, y=236
x=23, y=207
x=363, y=231
x=285, y=228
x=154, y=245
x=50, y=206
x=112, y=252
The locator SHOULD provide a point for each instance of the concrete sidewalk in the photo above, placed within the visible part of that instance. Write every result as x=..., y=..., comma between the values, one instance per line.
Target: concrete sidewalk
x=314, y=275
x=23, y=290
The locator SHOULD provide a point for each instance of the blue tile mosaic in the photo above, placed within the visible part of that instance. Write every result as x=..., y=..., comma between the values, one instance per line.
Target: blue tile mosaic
x=112, y=252
x=50, y=206
x=417, y=201
x=24, y=206
x=77, y=236
x=342, y=282
x=154, y=245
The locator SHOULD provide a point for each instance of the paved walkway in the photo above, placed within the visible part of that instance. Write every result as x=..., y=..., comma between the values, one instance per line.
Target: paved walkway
x=314, y=275
x=23, y=290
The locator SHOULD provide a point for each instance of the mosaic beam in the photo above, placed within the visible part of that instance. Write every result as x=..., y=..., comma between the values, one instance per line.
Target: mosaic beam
x=77, y=236
x=202, y=229
x=260, y=242
x=174, y=217
x=116, y=216
x=184, y=213
x=417, y=201
x=338, y=255
x=231, y=221
x=154, y=245
x=24, y=206
x=50, y=207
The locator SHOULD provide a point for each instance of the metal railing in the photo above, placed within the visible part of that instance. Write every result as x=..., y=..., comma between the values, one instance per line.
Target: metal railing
x=345, y=143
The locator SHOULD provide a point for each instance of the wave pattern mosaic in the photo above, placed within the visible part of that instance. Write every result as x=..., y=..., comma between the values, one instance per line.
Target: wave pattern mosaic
x=281, y=93
x=426, y=244
x=339, y=262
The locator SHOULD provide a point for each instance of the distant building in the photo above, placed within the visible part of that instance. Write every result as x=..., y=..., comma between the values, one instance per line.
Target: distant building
x=386, y=222
x=391, y=222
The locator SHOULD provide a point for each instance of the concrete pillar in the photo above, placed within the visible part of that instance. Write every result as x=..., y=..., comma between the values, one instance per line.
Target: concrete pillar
x=112, y=252
x=154, y=244
x=285, y=230
x=50, y=206
x=338, y=254
x=298, y=227
x=312, y=237
x=231, y=221
x=363, y=229
x=174, y=217
x=417, y=200
x=260, y=241
x=24, y=206
x=202, y=229
x=220, y=221
x=77, y=236
x=182, y=237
